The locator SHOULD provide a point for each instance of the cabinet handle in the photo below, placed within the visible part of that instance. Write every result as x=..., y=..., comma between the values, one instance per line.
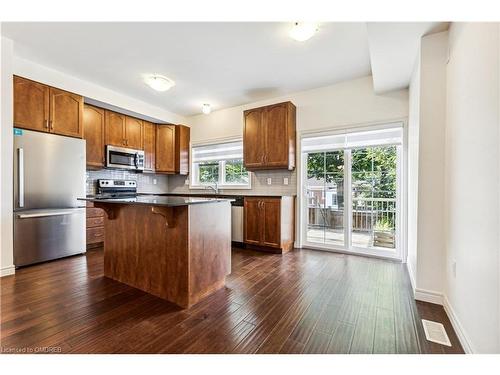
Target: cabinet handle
x=265, y=158
x=46, y=124
x=51, y=125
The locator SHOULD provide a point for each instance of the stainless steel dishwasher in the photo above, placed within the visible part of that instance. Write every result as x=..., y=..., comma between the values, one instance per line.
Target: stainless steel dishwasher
x=237, y=220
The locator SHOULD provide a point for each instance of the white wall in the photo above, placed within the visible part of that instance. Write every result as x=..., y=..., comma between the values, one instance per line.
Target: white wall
x=6, y=159
x=430, y=242
x=342, y=104
x=413, y=147
x=472, y=184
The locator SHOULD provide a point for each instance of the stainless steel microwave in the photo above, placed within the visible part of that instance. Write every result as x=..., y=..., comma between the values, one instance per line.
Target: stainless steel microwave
x=124, y=158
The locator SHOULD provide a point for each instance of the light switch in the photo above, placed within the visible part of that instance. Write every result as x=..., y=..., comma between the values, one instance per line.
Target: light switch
x=285, y=180
x=269, y=181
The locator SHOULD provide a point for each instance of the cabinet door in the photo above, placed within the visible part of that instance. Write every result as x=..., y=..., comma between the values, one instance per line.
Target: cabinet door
x=165, y=148
x=276, y=136
x=149, y=146
x=114, y=129
x=271, y=218
x=134, y=133
x=252, y=221
x=253, y=142
x=31, y=105
x=66, y=113
x=93, y=133
x=182, y=138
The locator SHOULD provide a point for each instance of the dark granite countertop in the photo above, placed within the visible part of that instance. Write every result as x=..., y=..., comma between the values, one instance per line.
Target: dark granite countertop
x=220, y=195
x=156, y=200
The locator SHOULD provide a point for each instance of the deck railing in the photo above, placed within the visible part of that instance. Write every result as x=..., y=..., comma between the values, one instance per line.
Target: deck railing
x=366, y=213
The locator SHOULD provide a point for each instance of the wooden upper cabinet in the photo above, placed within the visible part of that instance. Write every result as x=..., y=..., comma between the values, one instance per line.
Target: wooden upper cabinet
x=93, y=133
x=182, y=139
x=44, y=108
x=165, y=149
x=134, y=133
x=114, y=129
x=269, y=137
x=253, y=140
x=66, y=113
x=149, y=146
x=276, y=136
x=31, y=104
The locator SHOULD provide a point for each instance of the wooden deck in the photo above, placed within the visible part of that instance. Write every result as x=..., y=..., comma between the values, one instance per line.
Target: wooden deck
x=302, y=302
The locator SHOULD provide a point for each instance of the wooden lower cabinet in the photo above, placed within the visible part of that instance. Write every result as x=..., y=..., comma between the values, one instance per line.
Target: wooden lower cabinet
x=95, y=226
x=269, y=223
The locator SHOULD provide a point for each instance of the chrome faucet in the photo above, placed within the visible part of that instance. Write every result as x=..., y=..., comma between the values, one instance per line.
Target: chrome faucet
x=215, y=188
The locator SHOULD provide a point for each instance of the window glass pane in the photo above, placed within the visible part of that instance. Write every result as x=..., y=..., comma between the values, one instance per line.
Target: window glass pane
x=208, y=172
x=236, y=172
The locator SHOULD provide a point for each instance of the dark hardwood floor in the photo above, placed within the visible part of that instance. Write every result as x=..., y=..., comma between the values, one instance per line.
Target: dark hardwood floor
x=301, y=302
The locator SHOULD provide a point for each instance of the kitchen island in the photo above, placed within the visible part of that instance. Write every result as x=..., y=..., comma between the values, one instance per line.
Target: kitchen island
x=176, y=248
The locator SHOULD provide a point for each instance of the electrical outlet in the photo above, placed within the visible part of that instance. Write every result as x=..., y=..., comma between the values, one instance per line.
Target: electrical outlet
x=285, y=180
x=454, y=268
x=155, y=181
x=269, y=181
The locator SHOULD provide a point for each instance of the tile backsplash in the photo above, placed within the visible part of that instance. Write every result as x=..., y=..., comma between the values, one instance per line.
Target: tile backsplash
x=176, y=184
x=145, y=181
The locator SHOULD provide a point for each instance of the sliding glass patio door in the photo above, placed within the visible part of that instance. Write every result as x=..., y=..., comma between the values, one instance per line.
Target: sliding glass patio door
x=352, y=185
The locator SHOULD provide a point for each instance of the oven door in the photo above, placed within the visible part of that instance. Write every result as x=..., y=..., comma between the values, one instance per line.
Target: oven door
x=124, y=158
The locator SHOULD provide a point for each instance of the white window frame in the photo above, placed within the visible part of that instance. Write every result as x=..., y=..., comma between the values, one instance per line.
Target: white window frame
x=221, y=184
x=401, y=192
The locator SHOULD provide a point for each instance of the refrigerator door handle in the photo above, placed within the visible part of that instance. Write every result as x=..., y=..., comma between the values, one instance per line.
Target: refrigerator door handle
x=49, y=213
x=20, y=154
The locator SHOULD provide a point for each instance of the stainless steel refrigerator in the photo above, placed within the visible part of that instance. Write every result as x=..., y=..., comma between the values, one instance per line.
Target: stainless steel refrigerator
x=49, y=176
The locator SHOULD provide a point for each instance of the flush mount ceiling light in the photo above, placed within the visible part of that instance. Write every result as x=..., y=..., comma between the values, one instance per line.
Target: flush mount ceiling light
x=158, y=82
x=302, y=31
x=206, y=108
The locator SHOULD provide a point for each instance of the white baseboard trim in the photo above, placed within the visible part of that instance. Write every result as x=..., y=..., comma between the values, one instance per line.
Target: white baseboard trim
x=429, y=296
x=412, y=276
x=7, y=271
x=457, y=326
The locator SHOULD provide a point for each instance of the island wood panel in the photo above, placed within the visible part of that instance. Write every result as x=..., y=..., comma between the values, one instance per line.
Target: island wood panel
x=174, y=253
x=209, y=248
x=31, y=104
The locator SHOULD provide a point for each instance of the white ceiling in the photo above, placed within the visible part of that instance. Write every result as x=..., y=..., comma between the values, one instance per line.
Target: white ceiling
x=393, y=51
x=225, y=64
